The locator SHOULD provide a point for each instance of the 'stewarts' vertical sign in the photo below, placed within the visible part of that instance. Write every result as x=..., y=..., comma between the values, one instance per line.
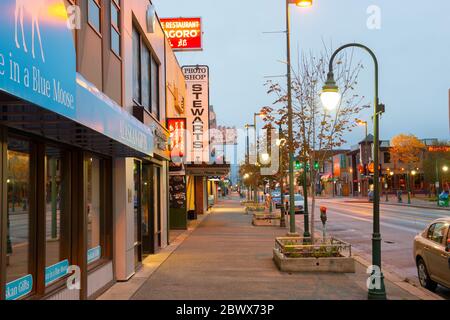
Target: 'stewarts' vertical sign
x=197, y=113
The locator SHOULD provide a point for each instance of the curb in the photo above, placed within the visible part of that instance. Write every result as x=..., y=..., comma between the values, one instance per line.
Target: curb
x=415, y=206
x=418, y=292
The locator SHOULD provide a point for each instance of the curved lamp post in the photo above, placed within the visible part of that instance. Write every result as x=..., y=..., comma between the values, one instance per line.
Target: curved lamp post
x=331, y=98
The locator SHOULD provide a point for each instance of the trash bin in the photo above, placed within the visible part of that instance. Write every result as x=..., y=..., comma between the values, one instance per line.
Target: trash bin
x=444, y=199
x=192, y=215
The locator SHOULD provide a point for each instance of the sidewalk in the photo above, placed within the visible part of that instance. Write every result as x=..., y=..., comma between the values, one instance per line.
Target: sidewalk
x=226, y=258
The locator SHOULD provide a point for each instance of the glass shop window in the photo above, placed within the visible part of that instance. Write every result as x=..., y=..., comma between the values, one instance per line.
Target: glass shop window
x=20, y=257
x=57, y=214
x=94, y=210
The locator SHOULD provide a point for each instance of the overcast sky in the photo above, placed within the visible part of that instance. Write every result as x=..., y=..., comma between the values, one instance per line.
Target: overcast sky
x=413, y=47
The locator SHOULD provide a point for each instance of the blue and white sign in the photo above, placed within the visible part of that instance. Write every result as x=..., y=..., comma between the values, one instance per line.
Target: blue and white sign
x=56, y=272
x=94, y=254
x=110, y=119
x=37, y=54
x=19, y=288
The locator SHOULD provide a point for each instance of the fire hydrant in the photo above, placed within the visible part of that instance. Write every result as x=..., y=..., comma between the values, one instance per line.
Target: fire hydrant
x=324, y=218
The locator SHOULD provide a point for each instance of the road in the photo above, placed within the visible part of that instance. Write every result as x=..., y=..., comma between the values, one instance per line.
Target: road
x=351, y=221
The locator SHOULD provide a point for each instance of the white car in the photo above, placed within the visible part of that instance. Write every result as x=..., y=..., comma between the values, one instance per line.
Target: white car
x=299, y=203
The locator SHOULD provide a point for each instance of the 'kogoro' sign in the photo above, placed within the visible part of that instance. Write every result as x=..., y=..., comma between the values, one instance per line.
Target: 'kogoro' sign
x=197, y=80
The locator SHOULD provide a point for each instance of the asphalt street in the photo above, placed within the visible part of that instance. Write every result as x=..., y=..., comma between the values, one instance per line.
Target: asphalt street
x=351, y=221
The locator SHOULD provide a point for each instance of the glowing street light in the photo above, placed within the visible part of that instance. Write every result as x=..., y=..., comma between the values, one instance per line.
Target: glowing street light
x=265, y=158
x=304, y=3
x=445, y=168
x=330, y=96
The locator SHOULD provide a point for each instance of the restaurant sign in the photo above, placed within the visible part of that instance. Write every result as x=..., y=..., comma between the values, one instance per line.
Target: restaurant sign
x=184, y=34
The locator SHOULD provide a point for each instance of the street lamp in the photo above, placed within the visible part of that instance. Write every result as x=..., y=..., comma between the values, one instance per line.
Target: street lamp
x=331, y=98
x=280, y=143
x=265, y=158
x=303, y=4
x=445, y=168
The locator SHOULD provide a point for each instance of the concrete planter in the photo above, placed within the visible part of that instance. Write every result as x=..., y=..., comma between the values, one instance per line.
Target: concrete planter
x=297, y=255
x=266, y=220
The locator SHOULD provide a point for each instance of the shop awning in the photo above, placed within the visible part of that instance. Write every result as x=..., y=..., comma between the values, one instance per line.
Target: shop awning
x=207, y=170
x=97, y=123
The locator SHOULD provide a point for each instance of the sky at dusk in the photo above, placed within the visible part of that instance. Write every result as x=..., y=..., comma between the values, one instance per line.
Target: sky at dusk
x=412, y=45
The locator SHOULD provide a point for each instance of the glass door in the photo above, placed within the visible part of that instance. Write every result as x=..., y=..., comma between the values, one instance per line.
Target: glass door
x=137, y=201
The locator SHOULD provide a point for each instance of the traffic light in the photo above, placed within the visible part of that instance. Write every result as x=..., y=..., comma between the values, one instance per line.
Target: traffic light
x=316, y=165
x=298, y=165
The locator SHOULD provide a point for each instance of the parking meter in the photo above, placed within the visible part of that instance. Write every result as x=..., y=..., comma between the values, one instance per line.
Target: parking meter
x=324, y=218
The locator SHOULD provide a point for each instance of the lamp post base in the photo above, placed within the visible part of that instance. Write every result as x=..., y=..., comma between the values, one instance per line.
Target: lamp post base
x=378, y=294
x=293, y=235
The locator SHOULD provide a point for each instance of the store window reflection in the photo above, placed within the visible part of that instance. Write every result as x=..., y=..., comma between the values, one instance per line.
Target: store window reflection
x=19, y=255
x=56, y=214
x=93, y=197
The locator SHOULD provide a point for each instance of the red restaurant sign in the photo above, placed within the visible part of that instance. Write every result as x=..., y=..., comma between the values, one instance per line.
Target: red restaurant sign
x=184, y=34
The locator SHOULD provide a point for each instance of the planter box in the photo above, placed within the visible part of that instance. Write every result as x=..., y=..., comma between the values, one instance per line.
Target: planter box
x=299, y=255
x=266, y=220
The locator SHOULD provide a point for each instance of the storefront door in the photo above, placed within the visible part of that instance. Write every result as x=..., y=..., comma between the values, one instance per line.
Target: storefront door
x=150, y=209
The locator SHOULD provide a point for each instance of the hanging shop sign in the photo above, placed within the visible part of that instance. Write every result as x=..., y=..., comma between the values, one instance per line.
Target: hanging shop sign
x=184, y=34
x=177, y=144
x=197, y=81
x=37, y=54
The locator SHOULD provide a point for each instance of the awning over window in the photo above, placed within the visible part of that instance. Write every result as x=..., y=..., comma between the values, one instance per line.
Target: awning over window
x=98, y=124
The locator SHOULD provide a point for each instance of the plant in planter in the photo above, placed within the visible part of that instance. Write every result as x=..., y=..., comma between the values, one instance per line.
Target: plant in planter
x=302, y=255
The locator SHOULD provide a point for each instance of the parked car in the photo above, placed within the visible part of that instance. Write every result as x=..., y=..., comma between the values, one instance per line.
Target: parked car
x=299, y=203
x=432, y=254
x=277, y=201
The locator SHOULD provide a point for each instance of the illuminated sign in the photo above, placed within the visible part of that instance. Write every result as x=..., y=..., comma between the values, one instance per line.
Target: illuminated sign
x=184, y=34
x=37, y=54
x=439, y=149
x=177, y=129
x=197, y=81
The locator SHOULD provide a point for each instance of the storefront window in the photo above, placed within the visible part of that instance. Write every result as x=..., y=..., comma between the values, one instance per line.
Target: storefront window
x=57, y=243
x=93, y=198
x=20, y=257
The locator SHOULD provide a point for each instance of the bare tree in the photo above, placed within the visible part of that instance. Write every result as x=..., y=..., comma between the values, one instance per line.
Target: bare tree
x=316, y=131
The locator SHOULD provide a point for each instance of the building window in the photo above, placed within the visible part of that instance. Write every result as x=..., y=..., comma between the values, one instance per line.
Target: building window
x=115, y=27
x=20, y=259
x=57, y=211
x=136, y=66
x=145, y=76
x=155, y=88
x=387, y=157
x=94, y=14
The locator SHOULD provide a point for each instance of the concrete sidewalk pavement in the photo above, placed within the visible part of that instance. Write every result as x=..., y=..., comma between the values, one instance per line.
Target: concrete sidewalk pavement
x=226, y=258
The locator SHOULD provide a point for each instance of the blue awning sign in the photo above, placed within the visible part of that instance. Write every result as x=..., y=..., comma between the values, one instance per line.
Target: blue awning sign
x=37, y=54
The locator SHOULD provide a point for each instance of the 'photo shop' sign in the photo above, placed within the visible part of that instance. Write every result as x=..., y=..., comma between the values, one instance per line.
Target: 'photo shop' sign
x=197, y=114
